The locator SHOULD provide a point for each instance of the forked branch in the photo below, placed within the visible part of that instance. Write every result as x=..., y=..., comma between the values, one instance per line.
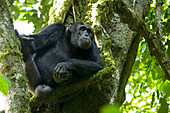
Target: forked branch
x=137, y=24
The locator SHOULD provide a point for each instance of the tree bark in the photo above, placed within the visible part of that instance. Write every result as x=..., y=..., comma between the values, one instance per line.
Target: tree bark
x=118, y=46
x=137, y=24
x=11, y=64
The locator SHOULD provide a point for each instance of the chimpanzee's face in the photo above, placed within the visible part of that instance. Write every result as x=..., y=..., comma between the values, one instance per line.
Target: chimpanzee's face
x=82, y=35
x=85, y=36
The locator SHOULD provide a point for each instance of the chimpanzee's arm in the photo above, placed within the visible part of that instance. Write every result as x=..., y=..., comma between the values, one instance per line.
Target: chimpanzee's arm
x=86, y=67
x=74, y=67
x=64, y=70
x=44, y=39
x=83, y=67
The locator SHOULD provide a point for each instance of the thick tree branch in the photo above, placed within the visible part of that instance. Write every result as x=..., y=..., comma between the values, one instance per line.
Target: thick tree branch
x=158, y=21
x=11, y=63
x=137, y=24
x=66, y=92
x=131, y=56
x=59, y=10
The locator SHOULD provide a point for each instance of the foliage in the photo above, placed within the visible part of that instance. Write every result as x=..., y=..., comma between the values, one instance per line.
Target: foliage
x=4, y=84
x=147, y=89
x=109, y=109
x=35, y=11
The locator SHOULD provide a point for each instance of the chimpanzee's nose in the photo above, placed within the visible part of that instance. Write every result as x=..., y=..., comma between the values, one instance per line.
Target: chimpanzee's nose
x=86, y=34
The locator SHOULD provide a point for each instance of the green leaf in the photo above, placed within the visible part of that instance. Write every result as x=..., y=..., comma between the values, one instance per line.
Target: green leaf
x=108, y=108
x=153, y=74
x=167, y=12
x=164, y=106
x=144, y=47
x=168, y=50
x=166, y=88
x=157, y=92
x=4, y=84
x=136, y=89
x=31, y=1
x=153, y=99
x=15, y=12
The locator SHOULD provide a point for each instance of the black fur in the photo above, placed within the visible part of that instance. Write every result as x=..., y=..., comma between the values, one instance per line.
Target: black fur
x=58, y=54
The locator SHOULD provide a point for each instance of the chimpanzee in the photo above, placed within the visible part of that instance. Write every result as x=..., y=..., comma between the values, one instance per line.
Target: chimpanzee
x=58, y=54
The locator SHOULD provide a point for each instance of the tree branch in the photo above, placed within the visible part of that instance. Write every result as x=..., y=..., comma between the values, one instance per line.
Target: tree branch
x=131, y=56
x=137, y=24
x=11, y=63
x=158, y=21
x=66, y=92
x=59, y=10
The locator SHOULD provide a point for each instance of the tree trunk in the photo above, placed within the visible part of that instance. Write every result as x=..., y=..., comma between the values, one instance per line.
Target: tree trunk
x=118, y=45
x=11, y=64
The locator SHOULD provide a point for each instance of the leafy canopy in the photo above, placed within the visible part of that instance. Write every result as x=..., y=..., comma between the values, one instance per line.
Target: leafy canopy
x=147, y=89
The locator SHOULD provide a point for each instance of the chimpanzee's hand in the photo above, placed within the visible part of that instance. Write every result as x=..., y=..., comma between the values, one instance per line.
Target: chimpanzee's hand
x=61, y=73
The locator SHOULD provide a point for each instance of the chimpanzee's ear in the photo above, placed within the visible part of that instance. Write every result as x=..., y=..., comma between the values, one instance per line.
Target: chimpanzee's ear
x=69, y=28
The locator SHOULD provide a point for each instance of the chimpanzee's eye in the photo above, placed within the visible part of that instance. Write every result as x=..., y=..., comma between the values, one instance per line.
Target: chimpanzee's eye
x=89, y=31
x=83, y=28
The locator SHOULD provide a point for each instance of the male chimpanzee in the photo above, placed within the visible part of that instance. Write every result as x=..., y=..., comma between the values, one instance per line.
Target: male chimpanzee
x=58, y=54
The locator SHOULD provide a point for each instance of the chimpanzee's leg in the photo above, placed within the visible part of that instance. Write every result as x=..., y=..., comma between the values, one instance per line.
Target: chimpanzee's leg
x=35, y=82
x=32, y=73
x=34, y=79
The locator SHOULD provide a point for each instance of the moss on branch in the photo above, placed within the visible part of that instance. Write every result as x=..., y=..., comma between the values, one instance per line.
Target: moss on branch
x=137, y=24
x=70, y=90
x=59, y=10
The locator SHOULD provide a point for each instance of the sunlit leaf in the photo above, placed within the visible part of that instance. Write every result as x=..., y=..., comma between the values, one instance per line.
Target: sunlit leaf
x=166, y=88
x=31, y=1
x=168, y=50
x=167, y=12
x=164, y=106
x=4, y=84
x=110, y=109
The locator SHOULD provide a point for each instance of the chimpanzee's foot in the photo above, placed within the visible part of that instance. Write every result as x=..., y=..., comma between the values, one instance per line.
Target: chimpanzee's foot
x=43, y=91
